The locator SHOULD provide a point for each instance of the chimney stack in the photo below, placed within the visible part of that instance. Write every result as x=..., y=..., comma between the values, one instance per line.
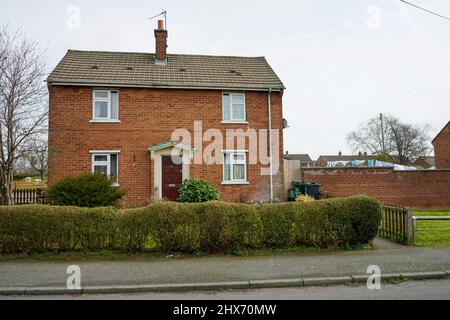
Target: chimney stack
x=161, y=44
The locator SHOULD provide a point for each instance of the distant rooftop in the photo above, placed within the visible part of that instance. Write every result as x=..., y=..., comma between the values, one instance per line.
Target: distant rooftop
x=430, y=160
x=344, y=157
x=301, y=157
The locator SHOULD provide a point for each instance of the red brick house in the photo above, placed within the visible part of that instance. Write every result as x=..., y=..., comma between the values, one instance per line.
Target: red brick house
x=115, y=113
x=441, y=145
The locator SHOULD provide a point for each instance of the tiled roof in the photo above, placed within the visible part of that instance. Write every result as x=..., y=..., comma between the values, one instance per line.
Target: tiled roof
x=301, y=157
x=344, y=157
x=430, y=160
x=440, y=132
x=181, y=71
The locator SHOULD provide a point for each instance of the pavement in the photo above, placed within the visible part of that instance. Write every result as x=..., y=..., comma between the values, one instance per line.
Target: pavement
x=225, y=272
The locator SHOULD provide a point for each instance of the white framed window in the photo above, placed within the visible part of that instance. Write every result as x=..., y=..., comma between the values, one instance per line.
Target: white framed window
x=235, y=167
x=105, y=105
x=106, y=163
x=233, y=105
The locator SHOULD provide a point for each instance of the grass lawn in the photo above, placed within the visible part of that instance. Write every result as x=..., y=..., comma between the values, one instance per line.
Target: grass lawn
x=433, y=233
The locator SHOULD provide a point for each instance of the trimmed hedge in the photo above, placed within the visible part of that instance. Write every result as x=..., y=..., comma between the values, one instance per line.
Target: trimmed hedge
x=210, y=227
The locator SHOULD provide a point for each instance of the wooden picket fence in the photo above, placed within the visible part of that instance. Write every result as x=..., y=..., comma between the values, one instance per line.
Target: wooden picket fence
x=397, y=224
x=29, y=196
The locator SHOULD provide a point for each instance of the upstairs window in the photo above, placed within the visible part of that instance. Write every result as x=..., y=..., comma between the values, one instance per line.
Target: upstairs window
x=106, y=164
x=105, y=105
x=234, y=107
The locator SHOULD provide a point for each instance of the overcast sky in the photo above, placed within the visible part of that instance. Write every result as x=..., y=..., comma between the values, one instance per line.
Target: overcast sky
x=341, y=61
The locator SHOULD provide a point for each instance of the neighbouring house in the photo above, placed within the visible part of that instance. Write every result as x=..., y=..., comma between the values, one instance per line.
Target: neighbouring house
x=441, y=145
x=425, y=163
x=146, y=121
x=304, y=160
x=341, y=160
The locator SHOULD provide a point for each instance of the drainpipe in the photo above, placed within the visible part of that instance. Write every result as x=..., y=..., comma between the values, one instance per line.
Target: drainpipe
x=270, y=144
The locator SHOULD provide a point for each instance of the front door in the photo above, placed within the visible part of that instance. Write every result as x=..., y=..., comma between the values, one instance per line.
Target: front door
x=172, y=177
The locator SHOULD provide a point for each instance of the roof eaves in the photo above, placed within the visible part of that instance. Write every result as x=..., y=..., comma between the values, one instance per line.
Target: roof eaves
x=163, y=86
x=273, y=71
x=58, y=65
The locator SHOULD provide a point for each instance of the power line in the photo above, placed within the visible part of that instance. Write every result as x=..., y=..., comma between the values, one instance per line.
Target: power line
x=372, y=100
x=426, y=10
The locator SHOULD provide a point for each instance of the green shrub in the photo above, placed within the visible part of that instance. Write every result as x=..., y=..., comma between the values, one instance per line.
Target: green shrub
x=197, y=190
x=90, y=191
x=211, y=227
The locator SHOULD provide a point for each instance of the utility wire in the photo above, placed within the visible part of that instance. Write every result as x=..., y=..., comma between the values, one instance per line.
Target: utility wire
x=426, y=10
x=373, y=100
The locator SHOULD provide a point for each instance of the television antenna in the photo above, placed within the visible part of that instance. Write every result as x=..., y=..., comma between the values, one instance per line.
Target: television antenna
x=164, y=14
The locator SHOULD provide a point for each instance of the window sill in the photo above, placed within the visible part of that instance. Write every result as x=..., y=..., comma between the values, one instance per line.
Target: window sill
x=235, y=183
x=115, y=185
x=234, y=122
x=104, y=121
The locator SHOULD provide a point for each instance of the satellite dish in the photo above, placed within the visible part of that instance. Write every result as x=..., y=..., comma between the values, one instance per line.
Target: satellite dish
x=285, y=124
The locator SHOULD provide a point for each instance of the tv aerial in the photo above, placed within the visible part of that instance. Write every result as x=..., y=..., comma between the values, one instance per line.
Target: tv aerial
x=162, y=14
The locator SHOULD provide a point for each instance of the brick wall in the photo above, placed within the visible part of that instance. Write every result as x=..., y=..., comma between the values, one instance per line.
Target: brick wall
x=417, y=189
x=442, y=148
x=148, y=117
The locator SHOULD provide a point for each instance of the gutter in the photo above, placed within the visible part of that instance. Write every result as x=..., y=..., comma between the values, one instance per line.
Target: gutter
x=155, y=86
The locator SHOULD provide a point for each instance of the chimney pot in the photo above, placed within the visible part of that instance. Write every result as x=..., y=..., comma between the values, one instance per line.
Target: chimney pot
x=160, y=24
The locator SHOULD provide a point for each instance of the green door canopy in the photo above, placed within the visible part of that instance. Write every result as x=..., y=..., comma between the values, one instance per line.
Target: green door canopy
x=169, y=144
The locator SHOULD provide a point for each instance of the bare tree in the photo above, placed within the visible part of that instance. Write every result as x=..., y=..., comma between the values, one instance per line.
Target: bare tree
x=37, y=156
x=23, y=110
x=403, y=142
x=408, y=142
x=368, y=137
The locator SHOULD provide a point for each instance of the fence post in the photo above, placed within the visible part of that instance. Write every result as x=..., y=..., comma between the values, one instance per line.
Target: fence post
x=410, y=227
